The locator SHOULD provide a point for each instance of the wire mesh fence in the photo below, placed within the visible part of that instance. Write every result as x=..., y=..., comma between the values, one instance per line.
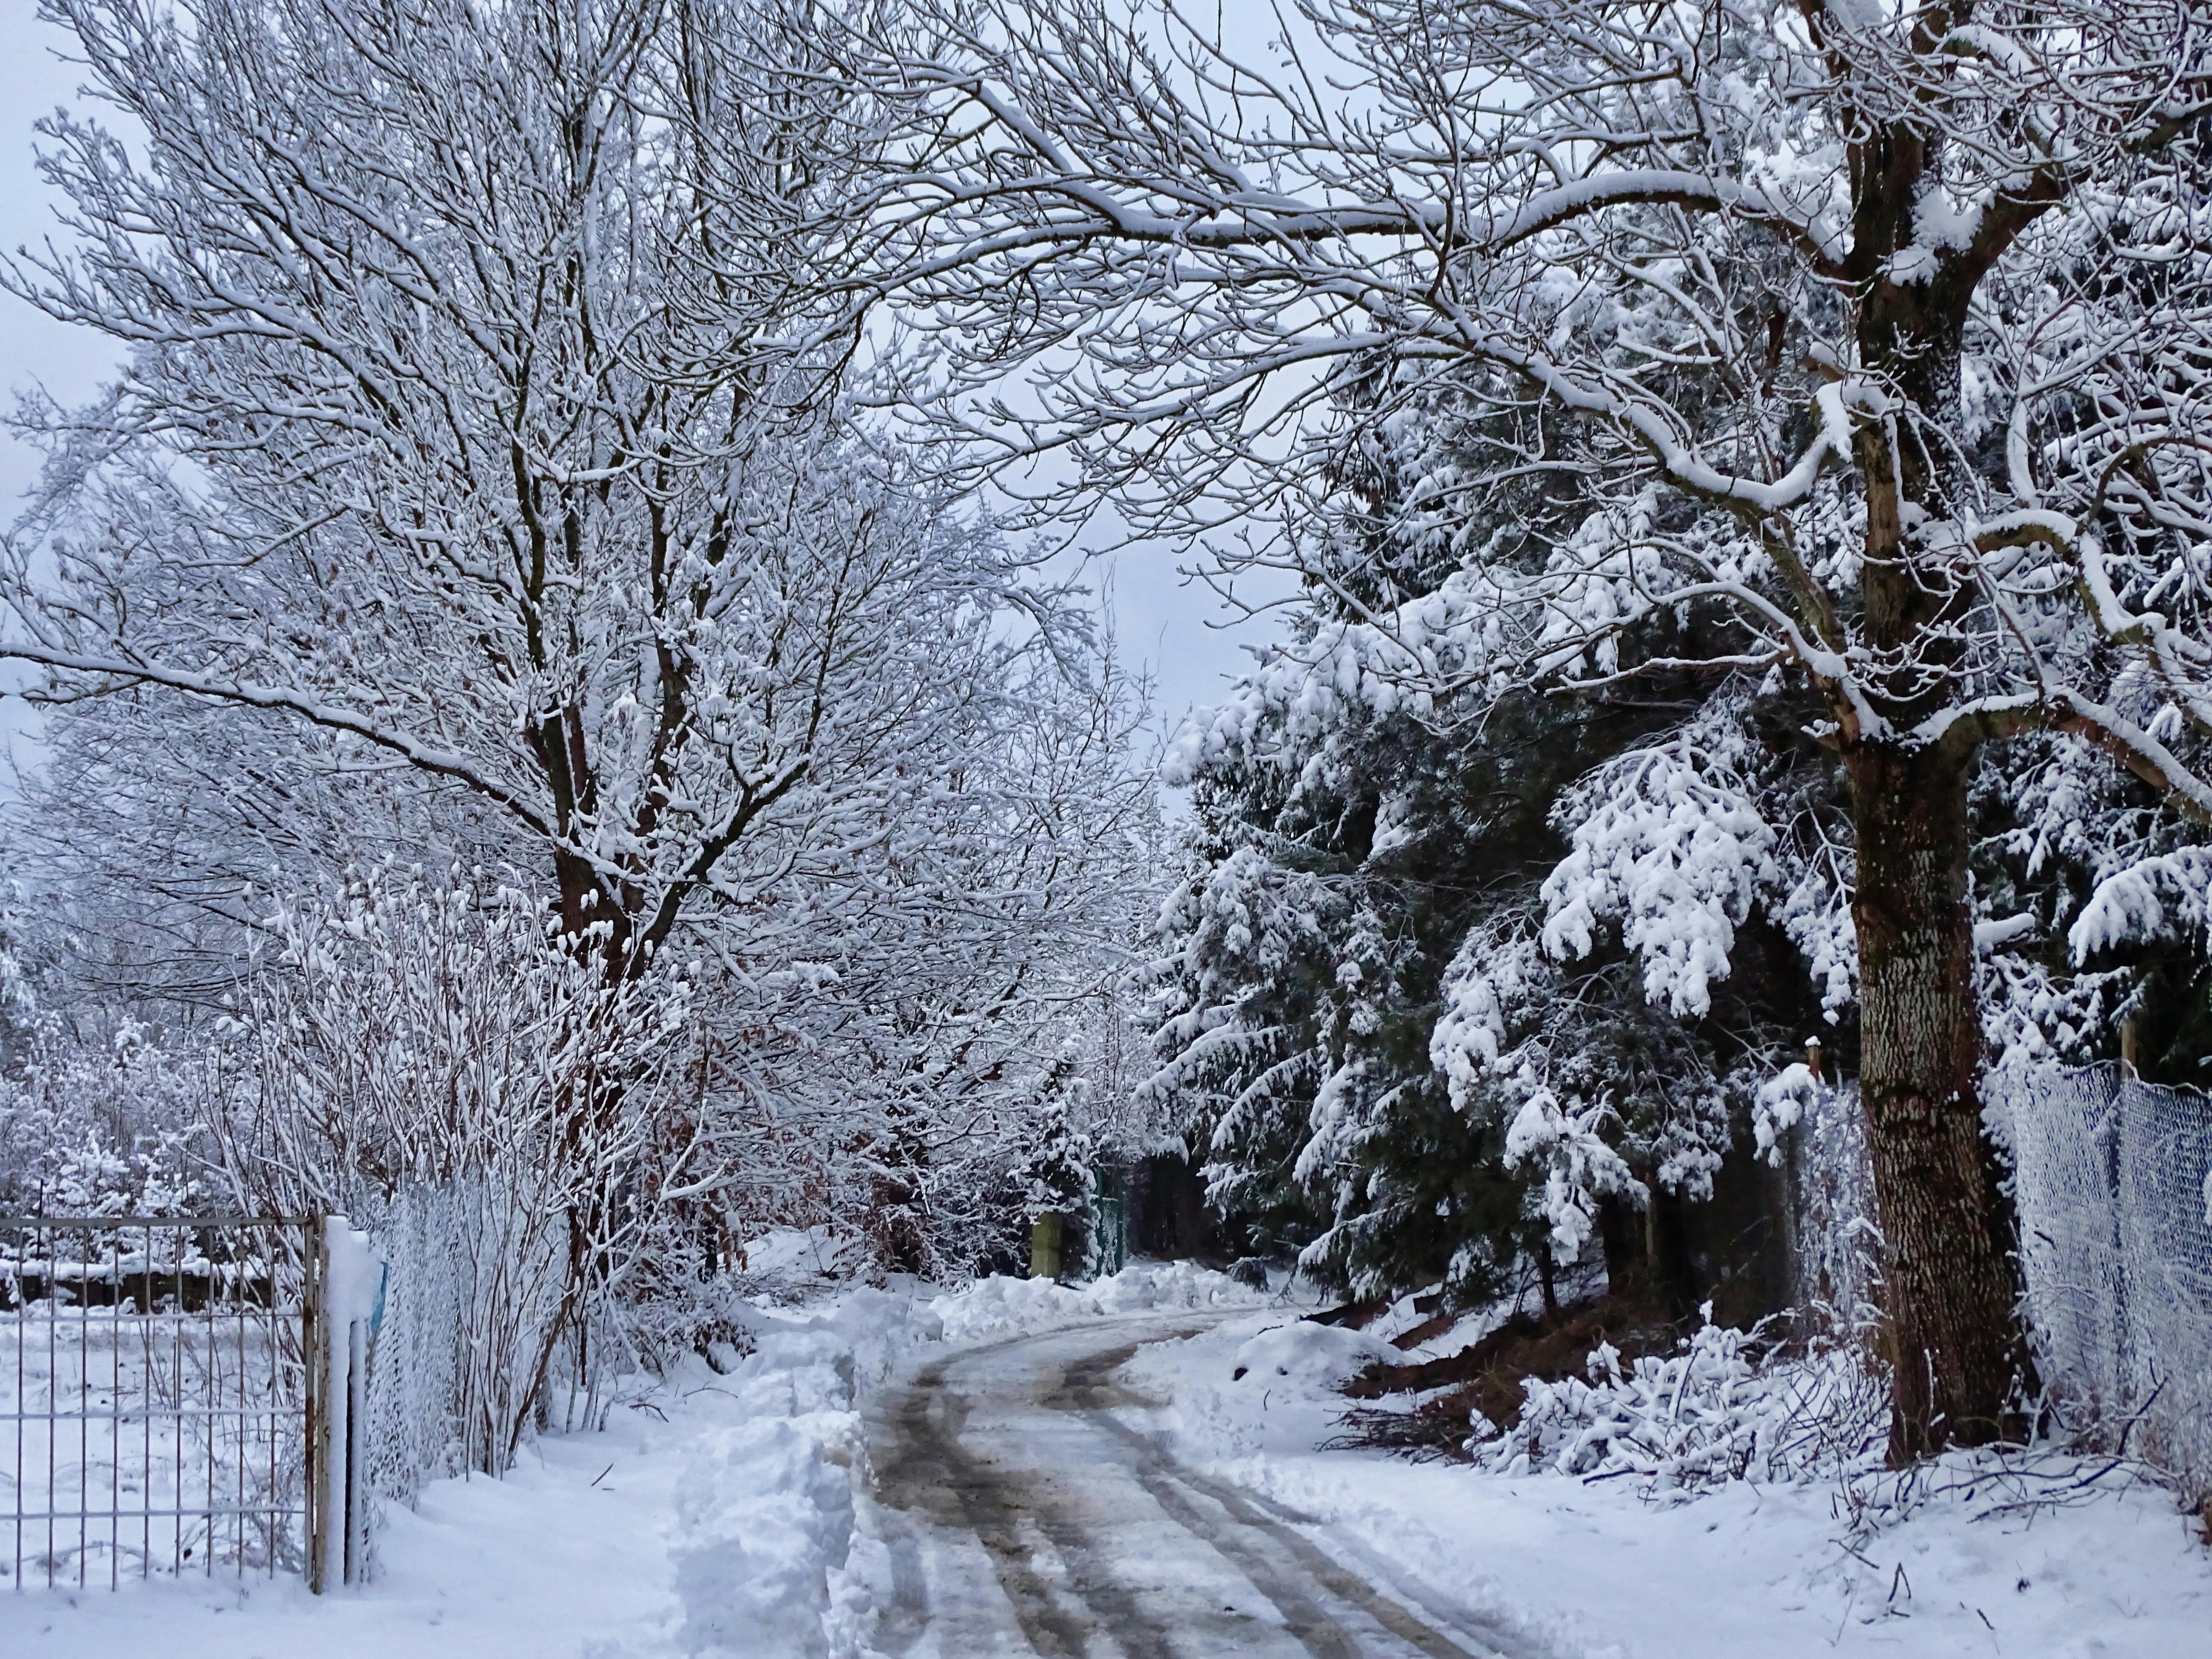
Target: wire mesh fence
x=2113, y=1182
x=1835, y=1249
x=470, y=1355
x=155, y=1396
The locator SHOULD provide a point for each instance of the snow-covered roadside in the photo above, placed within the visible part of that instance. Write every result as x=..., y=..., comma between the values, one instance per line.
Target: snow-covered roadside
x=713, y=1515
x=718, y=1516
x=569, y=1549
x=726, y=1517
x=1760, y=1572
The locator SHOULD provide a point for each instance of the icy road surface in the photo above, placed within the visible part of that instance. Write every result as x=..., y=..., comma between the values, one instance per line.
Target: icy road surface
x=1030, y=1509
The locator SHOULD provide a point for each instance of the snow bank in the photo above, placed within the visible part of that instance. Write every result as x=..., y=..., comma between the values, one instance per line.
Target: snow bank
x=766, y=1554
x=1304, y=1358
x=1000, y=1306
x=765, y=1525
x=1957, y=1558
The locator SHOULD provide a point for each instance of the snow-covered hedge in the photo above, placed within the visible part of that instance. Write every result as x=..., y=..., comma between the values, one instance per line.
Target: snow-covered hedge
x=113, y=1127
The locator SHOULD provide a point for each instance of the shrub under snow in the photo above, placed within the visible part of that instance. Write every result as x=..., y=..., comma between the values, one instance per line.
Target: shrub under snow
x=1719, y=1410
x=1307, y=1357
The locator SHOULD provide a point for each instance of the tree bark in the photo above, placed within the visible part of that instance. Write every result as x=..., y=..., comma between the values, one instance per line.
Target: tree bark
x=1950, y=1275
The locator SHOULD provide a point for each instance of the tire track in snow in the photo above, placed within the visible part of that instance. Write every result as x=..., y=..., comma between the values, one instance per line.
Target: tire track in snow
x=1143, y=1591
x=1247, y=1521
x=931, y=1471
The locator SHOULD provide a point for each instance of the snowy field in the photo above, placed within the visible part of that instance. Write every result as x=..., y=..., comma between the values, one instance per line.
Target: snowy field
x=732, y=1515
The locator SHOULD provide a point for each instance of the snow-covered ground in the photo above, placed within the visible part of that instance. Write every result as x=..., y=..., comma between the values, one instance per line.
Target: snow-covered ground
x=1757, y=1571
x=712, y=1510
x=732, y=1515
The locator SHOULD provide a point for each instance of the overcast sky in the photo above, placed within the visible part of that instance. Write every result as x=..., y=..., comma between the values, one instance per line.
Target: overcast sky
x=1180, y=631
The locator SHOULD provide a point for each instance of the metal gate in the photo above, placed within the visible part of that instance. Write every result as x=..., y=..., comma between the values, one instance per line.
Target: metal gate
x=163, y=1382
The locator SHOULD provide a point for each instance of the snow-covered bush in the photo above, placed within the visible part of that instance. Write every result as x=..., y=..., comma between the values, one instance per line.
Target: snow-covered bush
x=109, y=1128
x=432, y=1064
x=1304, y=1356
x=1719, y=1410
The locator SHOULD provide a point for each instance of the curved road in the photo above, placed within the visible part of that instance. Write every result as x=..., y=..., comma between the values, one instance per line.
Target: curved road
x=1026, y=1515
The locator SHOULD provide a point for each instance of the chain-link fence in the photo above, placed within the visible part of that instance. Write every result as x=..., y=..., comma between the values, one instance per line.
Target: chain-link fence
x=2113, y=1190
x=480, y=1336
x=2114, y=1187
x=1835, y=1249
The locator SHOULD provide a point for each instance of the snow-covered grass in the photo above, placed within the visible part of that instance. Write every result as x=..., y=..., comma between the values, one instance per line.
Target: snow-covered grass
x=1955, y=1564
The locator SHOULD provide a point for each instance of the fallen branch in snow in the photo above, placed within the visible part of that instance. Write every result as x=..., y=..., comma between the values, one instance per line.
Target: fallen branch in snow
x=1719, y=1410
x=1987, y=1483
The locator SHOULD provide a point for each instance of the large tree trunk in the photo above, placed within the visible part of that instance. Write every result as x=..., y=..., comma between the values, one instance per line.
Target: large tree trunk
x=1949, y=1283
x=1949, y=1273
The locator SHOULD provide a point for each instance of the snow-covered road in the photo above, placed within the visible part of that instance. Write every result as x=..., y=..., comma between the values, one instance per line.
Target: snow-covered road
x=1134, y=1470
x=1031, y=1508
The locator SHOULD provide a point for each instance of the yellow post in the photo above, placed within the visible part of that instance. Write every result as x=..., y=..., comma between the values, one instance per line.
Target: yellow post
x=1045, y=1235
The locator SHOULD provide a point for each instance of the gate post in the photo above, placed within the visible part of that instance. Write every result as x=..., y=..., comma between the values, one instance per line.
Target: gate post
x=341, y=1301
x=314, y=1357
x=356, y=1462
x=1045, y=1233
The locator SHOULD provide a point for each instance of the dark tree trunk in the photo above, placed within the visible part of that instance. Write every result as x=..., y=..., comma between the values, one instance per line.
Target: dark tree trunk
x=1547, y=1277
x=585, y=907
x=1675, y=1277
x=1620, y=1231
x=1949, y=1274
x=1949, y=1271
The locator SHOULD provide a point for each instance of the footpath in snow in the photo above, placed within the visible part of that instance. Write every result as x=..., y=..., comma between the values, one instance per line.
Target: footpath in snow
x=729, y=1516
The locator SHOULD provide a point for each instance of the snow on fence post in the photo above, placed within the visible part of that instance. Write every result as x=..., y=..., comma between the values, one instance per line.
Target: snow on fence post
x=344, y=1292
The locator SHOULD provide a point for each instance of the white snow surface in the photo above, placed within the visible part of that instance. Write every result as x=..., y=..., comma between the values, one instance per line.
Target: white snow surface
x=1301, y=1360
x=1749, y=1571
x=1003, y=1307
x=714, y=1516
x=728, y=1517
